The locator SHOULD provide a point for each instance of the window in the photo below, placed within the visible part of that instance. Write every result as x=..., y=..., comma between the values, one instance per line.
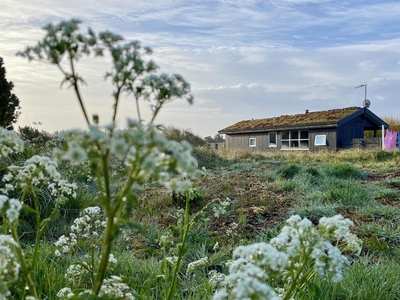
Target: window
x=252, y=142
x=272, y=139
x=320, y=140
x=294, y=140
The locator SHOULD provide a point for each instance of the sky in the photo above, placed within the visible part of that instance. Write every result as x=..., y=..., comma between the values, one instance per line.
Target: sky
x=244, y=59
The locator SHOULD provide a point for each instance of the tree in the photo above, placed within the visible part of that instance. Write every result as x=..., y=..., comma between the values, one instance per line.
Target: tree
x=219, y=138
x=9, y=102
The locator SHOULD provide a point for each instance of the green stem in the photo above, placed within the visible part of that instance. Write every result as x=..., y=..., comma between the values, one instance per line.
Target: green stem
x=92, y=268
x=138, y=109
x=106, y=175
x=181, y=251
x=105, y=253
x=38, y=232
x=24, y=267
x=116, y=102
x=76, y=88
x=294, y=282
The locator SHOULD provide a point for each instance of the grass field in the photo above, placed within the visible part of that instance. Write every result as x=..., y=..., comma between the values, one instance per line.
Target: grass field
x=260, y=191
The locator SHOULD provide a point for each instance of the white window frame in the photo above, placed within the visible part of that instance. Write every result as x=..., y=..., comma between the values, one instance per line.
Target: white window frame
x=269, y=139
x=250, y=142
x=291, y=140
x=323, y=136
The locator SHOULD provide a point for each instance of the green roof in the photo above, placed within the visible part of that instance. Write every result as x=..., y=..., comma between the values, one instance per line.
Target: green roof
x=309, y=118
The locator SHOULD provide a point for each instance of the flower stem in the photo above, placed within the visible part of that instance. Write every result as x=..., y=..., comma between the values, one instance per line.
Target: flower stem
x=105, y=253
x=24, y=266
x=181, y=250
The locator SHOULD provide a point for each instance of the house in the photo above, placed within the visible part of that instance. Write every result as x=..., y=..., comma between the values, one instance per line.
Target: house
x=313, y=131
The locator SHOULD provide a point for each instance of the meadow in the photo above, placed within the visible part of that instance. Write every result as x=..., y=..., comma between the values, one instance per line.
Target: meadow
x=261, y=191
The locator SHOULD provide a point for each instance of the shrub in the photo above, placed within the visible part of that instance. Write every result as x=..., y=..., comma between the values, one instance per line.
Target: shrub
x=179, y=135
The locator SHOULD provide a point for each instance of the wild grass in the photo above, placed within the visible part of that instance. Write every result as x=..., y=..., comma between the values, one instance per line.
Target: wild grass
x=363, y=280
x=263, y=189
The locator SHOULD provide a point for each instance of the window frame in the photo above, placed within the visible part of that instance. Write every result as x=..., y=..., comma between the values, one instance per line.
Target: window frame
x=255, y=142
x=269, y=139
x=319, y=136
x=289, y=141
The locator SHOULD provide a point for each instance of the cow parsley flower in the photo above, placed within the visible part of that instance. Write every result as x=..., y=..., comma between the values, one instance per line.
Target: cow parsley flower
x=9, y=266
x=65, y=293
x=196, y=264
x=36, y=172
x=116, y=288
x=299, y=243
x=10, y=142
x=14, y=207
x=88, y=227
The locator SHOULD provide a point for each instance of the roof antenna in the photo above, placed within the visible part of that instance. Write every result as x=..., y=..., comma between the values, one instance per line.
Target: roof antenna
x=366, y=102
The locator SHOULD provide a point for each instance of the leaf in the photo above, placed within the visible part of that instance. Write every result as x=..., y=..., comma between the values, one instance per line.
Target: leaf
x=28, y=209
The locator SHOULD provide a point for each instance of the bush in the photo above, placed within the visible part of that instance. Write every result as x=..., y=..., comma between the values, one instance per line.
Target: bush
x=33, y=135
x=179, y=135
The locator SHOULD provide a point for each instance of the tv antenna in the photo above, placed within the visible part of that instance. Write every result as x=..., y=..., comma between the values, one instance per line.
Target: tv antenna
x=366, y=102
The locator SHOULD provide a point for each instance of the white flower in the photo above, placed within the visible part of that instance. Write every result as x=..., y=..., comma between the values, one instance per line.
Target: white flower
x=196, y=264
x=9, y=266
x=12, y=213
x=65, y=293
x=10, y=142
x=112, y=259
x=298, y=244
x=3, y=201
x=116, y=288
x=172, y=259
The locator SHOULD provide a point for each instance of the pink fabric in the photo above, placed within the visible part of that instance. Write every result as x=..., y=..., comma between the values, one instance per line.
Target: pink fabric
x=390, y=140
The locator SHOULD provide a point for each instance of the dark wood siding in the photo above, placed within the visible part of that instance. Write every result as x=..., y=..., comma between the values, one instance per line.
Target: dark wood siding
x=354, y=129
x=331, y=144
x=241, y=141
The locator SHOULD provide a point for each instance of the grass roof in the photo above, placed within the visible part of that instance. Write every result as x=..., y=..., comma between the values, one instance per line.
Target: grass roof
x=318, y=117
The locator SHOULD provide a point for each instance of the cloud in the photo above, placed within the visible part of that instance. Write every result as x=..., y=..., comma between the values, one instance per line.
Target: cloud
x=244, y=59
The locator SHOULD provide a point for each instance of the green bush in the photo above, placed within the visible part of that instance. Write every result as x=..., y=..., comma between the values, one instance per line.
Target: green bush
x=34, y=136
x=179, y=135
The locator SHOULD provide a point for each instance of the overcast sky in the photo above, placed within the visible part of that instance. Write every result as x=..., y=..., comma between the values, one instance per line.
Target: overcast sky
x=244, y=59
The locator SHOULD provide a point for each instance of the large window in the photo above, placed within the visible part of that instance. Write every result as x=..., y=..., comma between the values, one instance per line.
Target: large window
x=252, y=142
x=272, y=139
x=295, y=140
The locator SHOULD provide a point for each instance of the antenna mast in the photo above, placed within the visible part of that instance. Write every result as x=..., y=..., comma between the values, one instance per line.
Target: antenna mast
x=366, y=102
x=365, y=89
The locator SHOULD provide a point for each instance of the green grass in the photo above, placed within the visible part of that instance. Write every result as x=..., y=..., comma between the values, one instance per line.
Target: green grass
x=264, y=189
x=363, y=280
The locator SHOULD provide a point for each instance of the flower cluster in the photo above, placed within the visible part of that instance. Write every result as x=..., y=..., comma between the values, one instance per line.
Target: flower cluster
x=13, y=208
x=116, y=288
x=76, y=272
x=10, y=142
x=286, y=257
x=140, y=148
x=65, y=293
x=89, y=227
x=196, y=264
x=9, y=267
x=220, y=207
x=38, y=172
x=216, y=279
